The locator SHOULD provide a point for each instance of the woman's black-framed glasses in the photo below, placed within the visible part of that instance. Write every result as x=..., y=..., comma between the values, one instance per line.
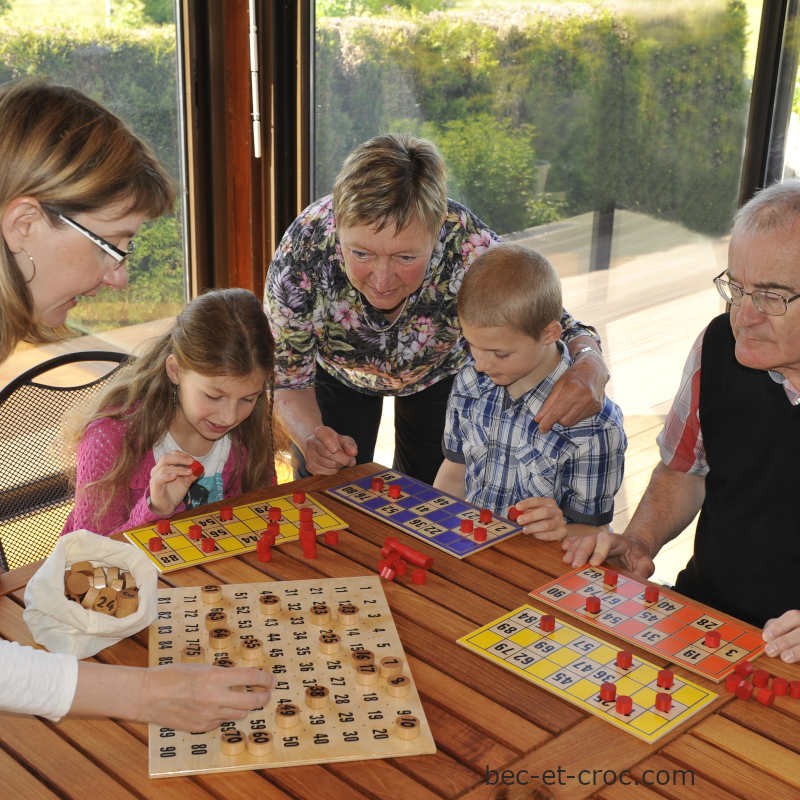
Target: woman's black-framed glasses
x=772, y=303
x=109, y=249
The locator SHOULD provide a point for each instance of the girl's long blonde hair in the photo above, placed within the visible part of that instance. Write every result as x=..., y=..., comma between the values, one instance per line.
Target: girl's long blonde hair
x=223, y=332
x=71, y=155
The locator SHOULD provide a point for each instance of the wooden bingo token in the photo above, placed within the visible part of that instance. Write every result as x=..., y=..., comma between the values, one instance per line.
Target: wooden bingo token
x=224, y=661
x=232, y=742
x=251, y=651
x=320, y=614
x=361, y=657
x=127, y=602
x=259, y=743
x=192, y=654
x=215, y=618
x=220, y=639
x=76, y=584
x=287, y=715
x=367, y=674
x=269, y=604
x=211, y=593
x=398, y=685
x=406, y=727
x=106, y=602
x=99, y=578
x=90, y=597
x=317, y=696
x=83, y=566
x=329, y=642
x=390, y=665
x=348, y=614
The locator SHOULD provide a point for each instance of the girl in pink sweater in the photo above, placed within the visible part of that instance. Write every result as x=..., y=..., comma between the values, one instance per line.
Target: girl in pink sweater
x=188, y=422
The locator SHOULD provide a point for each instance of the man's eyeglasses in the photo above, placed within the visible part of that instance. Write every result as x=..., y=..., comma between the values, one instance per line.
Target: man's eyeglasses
x=118, y=255
x=772, y=303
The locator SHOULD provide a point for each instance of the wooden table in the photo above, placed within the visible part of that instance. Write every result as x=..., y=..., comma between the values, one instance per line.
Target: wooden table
x=482, y=717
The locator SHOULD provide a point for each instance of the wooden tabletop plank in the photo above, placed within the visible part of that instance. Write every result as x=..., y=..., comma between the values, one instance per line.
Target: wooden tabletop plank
x=730, y=772
x=627, y=791
x=477, y=709
x=591, y=745
x=68, y=771
x=769, y=756
x=313, y=781
x=771, y=722
x=678, y=782
x=383, y=779
x=18, y=782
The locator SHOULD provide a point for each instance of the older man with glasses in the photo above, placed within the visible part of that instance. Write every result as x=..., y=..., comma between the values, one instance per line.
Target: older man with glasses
x=730, y=443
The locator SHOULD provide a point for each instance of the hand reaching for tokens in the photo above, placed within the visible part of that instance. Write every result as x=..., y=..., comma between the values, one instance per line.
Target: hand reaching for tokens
x=170, y=479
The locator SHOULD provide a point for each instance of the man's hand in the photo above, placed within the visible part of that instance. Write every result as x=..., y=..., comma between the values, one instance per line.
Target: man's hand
x=627, y=552
x=578, y=393
x=782, y=636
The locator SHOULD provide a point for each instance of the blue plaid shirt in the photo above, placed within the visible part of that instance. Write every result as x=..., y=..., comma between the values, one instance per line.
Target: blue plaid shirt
x=508, y=458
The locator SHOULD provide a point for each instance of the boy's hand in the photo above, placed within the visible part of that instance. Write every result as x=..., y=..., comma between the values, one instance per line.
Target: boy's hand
x=326, y=451
x=542, y=517
x=578, y=394
x=170, y=479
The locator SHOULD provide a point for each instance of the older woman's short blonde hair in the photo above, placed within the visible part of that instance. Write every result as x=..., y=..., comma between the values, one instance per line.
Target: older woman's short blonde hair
x=392, y=179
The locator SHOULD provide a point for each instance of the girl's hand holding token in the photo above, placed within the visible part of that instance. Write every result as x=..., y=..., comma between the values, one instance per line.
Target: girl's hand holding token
x=170, y=480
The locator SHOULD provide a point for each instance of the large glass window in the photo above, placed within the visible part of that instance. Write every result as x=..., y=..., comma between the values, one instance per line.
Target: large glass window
x=608, y=136
x=123, y=54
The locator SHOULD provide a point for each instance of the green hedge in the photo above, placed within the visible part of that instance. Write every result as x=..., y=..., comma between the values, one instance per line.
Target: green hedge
x=134, y=74
x=646, y=114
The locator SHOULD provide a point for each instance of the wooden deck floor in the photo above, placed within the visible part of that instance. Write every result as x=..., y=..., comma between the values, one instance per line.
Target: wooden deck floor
x=648, y=309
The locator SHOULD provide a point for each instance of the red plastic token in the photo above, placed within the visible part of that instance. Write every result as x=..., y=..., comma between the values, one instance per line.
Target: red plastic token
x=395, y=490
x=275, y=514
x=608, y=692
x=264, y=549
x=651, y=594
x=485, y=515
x=387, y=573
x=207, y=545
x=732, y=680
x=274, y=528
x=419, y=576
x=663, y=701
x=513, y=513
x=154, y=545
x=743, y=668
x=764, y=696
x=400, y=567
x=377, y=485
x=163, y=526
x=624, y=659
x=665, y=678
x=761, y=678
x=299, y=497
x=744, y=690
x=547, y=623
x=195, y=532
x=624, y=704
x=197, y=468
x=306, y=514
x=611, y=577
x=794, y=689
x=310, y=549
x=479, y=534
x=712, y=639
x=780, y=686
x=593, y=604
x=226, y=513
x=466, y=526
x=331, y=538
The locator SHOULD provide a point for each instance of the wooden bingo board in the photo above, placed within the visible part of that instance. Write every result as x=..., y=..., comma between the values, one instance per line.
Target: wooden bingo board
x=578, y=667
x=342, y=692
x=419, y=510
x=181, y=547
x=656, y=619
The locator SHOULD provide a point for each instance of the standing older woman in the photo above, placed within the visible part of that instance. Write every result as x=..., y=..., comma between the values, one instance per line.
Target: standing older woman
x=75, y=185
x=361, y=296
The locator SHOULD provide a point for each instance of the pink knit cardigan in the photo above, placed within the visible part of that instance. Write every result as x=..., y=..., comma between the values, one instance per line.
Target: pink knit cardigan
x=97, y=451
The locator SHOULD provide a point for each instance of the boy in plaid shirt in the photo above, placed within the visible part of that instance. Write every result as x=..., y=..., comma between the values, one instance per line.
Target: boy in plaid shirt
x=509, y=307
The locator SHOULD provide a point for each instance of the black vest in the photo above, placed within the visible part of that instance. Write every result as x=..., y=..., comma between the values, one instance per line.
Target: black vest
x=747, y=549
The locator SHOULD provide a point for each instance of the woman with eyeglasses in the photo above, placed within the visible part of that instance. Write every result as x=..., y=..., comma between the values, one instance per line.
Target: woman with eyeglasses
x=75, y=185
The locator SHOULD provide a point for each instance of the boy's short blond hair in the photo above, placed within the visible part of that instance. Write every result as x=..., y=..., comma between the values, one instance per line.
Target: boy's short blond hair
x=393, y=179
x=512, y=286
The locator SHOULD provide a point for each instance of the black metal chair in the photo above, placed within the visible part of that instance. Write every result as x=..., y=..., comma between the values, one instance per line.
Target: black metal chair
x=35, y=492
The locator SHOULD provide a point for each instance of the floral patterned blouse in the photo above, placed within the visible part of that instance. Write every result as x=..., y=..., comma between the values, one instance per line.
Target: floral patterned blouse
x=318, y=317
